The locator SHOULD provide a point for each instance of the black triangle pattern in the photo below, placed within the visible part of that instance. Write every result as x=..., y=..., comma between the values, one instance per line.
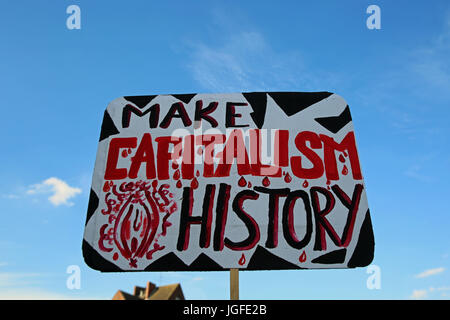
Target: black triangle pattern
x=294, y=102
x=94, y=260
x=334, y=124
x=140, y=101
x=108, y=127
x=92, y=205
x=337, y=256
x=262, y=259
x=168, y=262
x=186, y=98
x=203, y=262
x=365, y=247
x=258, y=102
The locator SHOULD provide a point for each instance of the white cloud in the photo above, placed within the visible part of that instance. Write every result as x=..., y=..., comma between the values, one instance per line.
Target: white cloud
x=419, y=294
x=10, y=196
x=429, y=272
x=62, y=192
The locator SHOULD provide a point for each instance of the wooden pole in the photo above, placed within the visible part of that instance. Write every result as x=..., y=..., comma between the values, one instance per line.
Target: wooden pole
x=234, y=284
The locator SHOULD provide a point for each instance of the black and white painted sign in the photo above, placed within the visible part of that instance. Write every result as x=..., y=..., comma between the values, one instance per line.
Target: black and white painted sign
x=261, y=180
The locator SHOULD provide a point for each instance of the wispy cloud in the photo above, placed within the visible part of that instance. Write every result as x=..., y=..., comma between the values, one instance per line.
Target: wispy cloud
x=430, y=272
x=61, y=191
x=415, y=171
x=10, y=196
x=197, y=279
x=243, y=59
x=29, y=286
x=439, y=289
x=31, y=293
x=419, y=294
x=430, y=293
x=8, y=279
x=432, y=63
x=244, y=62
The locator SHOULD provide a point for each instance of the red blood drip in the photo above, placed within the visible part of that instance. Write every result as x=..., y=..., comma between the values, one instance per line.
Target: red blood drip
x=242, y=182
x=194, y=183
x=106, y=187
x=344, y=170
x=124, y=153
x=111, y=183
x=242, y=260
x=174, y=165
x=302, y=257
x=328, y=182
x=170, y=195
x=249, y=185
x=345, y=153
x=341, y=158
x=305, y=184
x=287, y=178
x=179, y=184
x=129, y=150
x=115, y=256
x=328, y=187
x=155, y=184
x=266, y=182
x=197, y=173
x=176, y=175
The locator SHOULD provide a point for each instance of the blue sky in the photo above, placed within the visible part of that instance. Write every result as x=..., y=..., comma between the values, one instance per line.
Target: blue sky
x=55, y=84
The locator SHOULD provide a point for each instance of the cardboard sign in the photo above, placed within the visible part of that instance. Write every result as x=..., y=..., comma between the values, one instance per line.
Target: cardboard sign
x=261, y=180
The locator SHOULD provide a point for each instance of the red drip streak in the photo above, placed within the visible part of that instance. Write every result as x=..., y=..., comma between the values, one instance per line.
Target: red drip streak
x=287, y=178
x=302, y=257
x=194, y=183
x=344, y=170
x=242, y=260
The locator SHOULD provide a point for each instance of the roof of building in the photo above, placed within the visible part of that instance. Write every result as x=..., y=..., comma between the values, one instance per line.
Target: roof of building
x=121, y=295
x=167, y=292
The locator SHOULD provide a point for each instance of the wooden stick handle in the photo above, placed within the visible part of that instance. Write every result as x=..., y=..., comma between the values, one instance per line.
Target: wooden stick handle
x=234, y=284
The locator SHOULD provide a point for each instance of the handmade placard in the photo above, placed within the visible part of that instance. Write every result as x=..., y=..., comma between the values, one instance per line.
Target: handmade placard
x=260, y=180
